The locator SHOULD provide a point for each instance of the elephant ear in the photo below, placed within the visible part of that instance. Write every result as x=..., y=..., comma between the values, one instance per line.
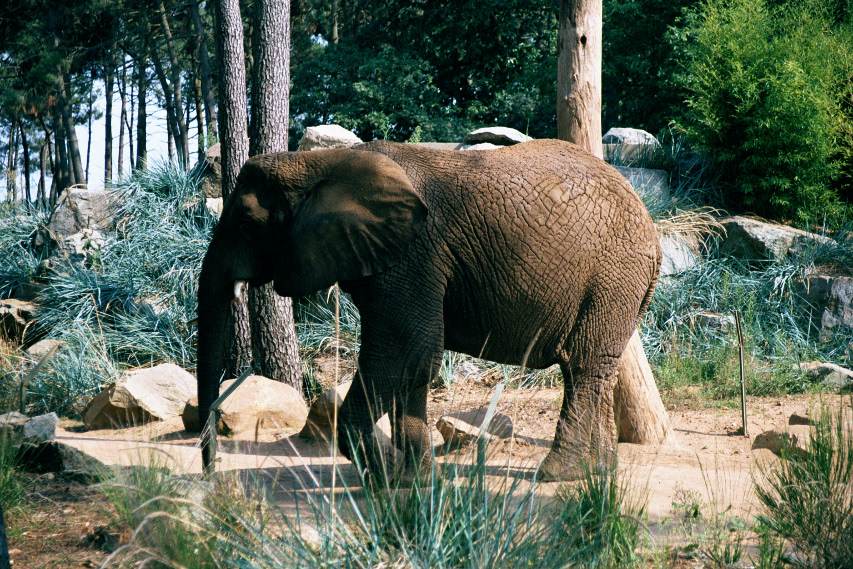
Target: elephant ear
x=354, y=216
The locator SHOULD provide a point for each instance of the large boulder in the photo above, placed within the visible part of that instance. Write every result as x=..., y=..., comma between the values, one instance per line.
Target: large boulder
x=41, y=348
x=464, y=427
x=321, y=416
x=634, y=136
x=142, y=395
x=81, y=208
x=828, y=374
x=831, y=299
x=210, y=176
x=679, y=253
x=751, y=239
x=258, y=402
x=15, y=316
x=627, y=145
x=327, y=136
x=497, y=135
x=84, y=246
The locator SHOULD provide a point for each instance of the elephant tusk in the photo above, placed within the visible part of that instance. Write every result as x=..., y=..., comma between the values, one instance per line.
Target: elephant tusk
x=239, y=287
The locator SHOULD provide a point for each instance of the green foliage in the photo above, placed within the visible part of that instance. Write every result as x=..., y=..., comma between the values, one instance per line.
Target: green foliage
x=769, y=100
x=11, y=483
x=807, y=496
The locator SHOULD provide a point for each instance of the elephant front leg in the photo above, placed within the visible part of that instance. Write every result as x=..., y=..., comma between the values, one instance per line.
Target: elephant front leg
x=586, y=431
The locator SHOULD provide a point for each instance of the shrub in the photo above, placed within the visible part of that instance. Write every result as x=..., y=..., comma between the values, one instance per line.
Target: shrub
x=808, y=496
x=768, y=100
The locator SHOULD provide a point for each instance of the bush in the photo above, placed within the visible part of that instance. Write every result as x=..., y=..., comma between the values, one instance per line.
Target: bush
x=769, y=101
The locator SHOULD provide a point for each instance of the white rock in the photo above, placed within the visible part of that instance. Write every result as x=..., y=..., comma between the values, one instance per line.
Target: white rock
x=161, y=391
x=634, y=136
x=464, y=427
x=318, y=425
x=214, y=206
x=831, y=300
x=84, y=245
x=499, y=135
x=480, y=146
x=327, y=136
x=81, y=208
x=680, y=252
x=42, y=347
x=263, y=403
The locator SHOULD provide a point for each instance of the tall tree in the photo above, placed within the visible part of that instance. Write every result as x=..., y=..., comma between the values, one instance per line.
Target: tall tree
x=235, y=148
x=273, y=332
x=109, y=80
x=142, y=111
x=204, y=71
x=579, y=74
x=179, y=129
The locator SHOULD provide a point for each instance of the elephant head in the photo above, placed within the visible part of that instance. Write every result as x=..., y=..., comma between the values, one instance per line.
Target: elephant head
x=303, y=220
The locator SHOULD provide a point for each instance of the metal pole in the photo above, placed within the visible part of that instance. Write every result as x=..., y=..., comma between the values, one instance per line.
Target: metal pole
x=742, y=382
x=32, y=373
x=213, y=417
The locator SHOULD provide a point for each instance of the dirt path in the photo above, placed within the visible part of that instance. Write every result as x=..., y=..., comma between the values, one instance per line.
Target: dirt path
x=703, y=460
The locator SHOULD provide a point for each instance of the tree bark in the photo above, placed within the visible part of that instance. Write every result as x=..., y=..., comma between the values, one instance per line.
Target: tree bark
x=12, y=164
x=26, y=149
x=579, y=74
x=122, y=120
x=235, y=145
x=142, y=113
x=89, y=129
x=42, y=189
x=640, y=414
x=204, y=72
x=64, y=102
x=109, y=78
x=61, y=177
x=273, y=331
x=182, y=140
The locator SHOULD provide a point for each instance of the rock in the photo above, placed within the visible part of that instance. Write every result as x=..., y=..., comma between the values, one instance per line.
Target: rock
x=796, y=438
x=84, y=246
x=318, y=425
x=101, y=413
x=210, y=175
x=797, y=419
x=714, y=321
x=756, y=240
x=441, y=145
x=41, y=348
x=189, y=416
x=680, y=252
x=464, y=427
x=12, y=426
x=140, y=396
x=262, y=402
x=830, y=375
x=467, y=371
x=214, y=206
x=39, y=429
x=499, y=135
x=15, y=315
x=327, y=136
x=53, y=456
x=651, y=185
x=831, y=300
x=480, y=146
x=81, y=208
x=634, y=136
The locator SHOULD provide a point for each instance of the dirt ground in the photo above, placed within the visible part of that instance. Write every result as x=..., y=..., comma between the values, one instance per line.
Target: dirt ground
x=705, y=463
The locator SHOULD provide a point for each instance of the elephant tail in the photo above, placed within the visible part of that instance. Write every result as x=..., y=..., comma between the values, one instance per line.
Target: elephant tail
x=647, y=299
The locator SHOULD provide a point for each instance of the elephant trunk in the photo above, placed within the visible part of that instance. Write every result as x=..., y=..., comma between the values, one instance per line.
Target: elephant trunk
x=216, y=289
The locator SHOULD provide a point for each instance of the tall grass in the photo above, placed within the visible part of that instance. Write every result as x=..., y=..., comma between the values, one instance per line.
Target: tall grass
x=455, y=516
x=808, y=496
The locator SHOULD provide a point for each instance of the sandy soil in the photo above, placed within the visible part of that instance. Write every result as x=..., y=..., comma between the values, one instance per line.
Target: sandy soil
x=704, y=461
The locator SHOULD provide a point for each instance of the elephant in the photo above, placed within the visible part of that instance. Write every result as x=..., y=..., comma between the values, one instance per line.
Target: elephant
x=537, y=252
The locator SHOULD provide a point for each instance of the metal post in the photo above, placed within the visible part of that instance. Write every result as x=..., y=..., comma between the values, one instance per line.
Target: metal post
x=742, y=382
x=32, y=373
x=213, y=418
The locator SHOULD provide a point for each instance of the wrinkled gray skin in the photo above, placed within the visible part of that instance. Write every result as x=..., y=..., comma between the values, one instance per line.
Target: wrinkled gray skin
x=481, y=252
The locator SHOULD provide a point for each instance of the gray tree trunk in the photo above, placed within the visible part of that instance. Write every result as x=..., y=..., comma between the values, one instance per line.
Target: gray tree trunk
x=109, y=79
x=204, y=72
x=579, y=74
x=182, y=139
x=142, y=114
x=64, y=103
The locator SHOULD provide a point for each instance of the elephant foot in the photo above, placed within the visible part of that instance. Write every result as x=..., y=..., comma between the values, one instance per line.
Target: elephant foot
x=562, y=467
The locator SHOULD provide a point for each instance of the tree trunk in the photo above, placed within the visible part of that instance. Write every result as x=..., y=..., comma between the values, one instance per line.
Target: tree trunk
x=234, y=139
x=641, y=417
x=199, y=116
x=64, y=102
x=122, y=120
x=204, y=72
x=273, y=332
x=12, y=164
x=142, y=120
x=182, y=140
x=26, y=149
x=172, y=130
x=579, y=74
x=42, y=189
x=89, y=129
x=109, y=76
x=640, y=414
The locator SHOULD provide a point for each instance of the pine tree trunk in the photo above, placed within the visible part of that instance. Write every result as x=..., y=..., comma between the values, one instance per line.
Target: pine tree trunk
x=42, y=187
x=62, y=175
x=579, y=74
x=89, y=130
x=182, y=139
x=142, y=113
x=235, y=148
x=64, y=103
x=273, y=332
x=122, y=121
x=204, y=72
x=26, y=149
x=109, y=76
